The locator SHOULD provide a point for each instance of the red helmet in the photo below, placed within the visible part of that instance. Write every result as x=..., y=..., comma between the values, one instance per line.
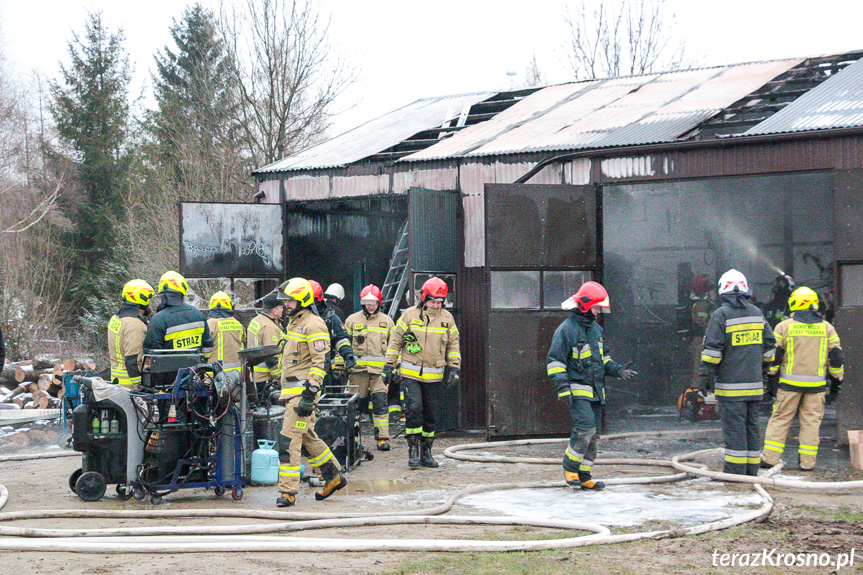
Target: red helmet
x=371, y=294
x=317, y=290
x=700, y=285
x=590, y=294
x=434, y=287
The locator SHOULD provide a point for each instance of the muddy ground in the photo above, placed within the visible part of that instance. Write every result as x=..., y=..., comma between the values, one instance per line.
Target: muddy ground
x=822, y=522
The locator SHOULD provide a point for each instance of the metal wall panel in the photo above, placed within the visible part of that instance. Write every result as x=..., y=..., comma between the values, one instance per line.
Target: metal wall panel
x=521, y=401
x=473, y=327
x=434, y=230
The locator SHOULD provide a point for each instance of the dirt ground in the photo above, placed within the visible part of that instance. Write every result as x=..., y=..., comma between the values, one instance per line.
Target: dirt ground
x=802, y=522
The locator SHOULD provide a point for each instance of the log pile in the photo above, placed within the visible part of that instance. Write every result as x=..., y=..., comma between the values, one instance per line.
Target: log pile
x=37, y=383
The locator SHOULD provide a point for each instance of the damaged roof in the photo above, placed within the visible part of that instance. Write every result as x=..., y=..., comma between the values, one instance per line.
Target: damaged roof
x=701, y=104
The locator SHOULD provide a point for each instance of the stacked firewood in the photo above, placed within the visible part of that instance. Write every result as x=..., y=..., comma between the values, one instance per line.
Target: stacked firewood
x=37, y=383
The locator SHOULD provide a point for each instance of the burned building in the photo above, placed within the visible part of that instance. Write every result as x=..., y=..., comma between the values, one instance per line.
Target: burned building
x=640, y=182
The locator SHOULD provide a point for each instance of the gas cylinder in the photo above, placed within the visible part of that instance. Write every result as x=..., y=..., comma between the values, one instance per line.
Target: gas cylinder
x=265, y=463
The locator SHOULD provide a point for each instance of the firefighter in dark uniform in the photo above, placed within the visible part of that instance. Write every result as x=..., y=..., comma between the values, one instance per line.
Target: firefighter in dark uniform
x=577, y=364
x=428, y=340
x=776, y=310
x=176, y=324
x=303, y=361
x=126, y=332
x=738, y=349
x=341, y=355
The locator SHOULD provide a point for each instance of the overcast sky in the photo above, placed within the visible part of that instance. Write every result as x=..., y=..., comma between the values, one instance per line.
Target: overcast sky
x=404, y=50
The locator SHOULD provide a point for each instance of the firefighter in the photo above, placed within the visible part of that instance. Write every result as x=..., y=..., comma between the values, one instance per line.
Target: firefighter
x=738, y=348
x=577, y=364
x=303, y=363
x=126, y=332
x=264, y=330
x=776, y=310
x=341, y=355
x=176, y=324
x=428, y=340
x=228, y=334
x=370, y=331
x=808, y=354
x=700, y=313
x=334, y=295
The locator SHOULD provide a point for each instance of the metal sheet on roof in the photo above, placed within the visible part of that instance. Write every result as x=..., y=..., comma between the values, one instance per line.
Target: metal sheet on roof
x=835, y=103
x=379, y=134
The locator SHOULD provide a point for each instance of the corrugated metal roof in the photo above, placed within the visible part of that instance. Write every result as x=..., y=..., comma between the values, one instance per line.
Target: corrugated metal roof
x=378, y=134
x=635, y=110
x=835, y=103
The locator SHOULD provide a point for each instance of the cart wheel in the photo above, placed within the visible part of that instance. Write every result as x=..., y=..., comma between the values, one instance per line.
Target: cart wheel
x=237, y=493
x=64, y=440
x=124, y=492
x=219, y=490
x=156, y=500
x=138, y=494
x=74, y=478
x=90, y=486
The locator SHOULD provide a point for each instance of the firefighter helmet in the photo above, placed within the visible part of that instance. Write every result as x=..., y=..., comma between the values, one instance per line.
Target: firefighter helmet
x=335, y=291
x=434, y=288
x=173, y=281
x=138, y=292
x=221, y=299
x=733, y=281
x=700, y=285
x=317, y=290
x=803, y=298
x=590, y=294
x=298, y=289
x=371, y=294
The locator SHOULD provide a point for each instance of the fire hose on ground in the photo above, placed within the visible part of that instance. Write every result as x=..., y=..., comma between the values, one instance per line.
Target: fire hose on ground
x=243, y=538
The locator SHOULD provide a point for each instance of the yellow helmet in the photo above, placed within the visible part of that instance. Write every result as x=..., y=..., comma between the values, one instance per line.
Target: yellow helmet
x=138, y=292
x=803, y=298
x=298, y=289
x=173, y=281
x=221, y=299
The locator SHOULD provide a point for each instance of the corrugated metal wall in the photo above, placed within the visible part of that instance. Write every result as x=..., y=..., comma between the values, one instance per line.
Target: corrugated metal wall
x=474, y=307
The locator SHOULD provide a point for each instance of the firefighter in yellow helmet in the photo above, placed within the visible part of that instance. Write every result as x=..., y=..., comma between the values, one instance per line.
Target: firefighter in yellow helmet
x=177, y=325
x=229, y=336
x=303, y=365
x=126, y=332
x=808, y=355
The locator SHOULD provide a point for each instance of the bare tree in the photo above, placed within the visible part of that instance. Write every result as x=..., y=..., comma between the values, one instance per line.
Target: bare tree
x=532, y=74
x=287, y=76
x=626, y=37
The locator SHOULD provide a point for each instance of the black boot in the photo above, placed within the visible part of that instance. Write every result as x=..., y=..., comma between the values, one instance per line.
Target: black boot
x=426, y=459
x=413, y=452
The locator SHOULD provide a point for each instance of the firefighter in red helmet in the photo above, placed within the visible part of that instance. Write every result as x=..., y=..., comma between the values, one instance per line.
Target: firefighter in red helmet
x=577, y=364
x=700, y=313
x=369, y=330
x=428, y=340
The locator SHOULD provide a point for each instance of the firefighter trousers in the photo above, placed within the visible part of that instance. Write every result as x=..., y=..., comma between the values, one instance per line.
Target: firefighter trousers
x=742, y=438
x=809, y=407
x=300, y=431
x=373, y=384
x=422, y=403
x=586, y=425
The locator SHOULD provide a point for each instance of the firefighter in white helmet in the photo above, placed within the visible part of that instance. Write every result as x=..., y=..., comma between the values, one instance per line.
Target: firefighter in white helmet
x=738, y=348
x=369, y=330
x=333, y=296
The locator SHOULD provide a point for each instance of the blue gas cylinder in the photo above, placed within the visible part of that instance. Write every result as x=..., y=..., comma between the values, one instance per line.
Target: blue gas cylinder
x=265, y=463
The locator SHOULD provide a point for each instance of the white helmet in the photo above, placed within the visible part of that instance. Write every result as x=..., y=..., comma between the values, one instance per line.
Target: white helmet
x=733, y=281
x=336, y=291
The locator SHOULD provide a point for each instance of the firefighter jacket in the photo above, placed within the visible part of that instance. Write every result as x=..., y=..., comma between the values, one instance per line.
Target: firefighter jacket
x=807, y=349
x=340, y=341
x=229, y=337
x=305, y=354
x=370, y=335
x=263, y=330
x=700, y=314
x=578, y=360
x=738, y=346
x=428, y=341
x=126, y=332
x=178, y=325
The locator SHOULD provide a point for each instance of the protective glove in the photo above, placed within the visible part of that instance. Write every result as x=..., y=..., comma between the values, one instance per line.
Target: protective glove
x=387, y=374
x=453, y=374
x=565, y=398
x=834, y=388
x=350, y=361
x=706, y=383
x=627, y=374
x=307, y=402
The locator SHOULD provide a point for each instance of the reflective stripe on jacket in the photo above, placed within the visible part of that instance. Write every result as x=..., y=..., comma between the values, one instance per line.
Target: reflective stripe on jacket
x=178, y=325
x=229, y=338
x=263, y=331
x=437, y=338
x=369, y=339
x=304, y=357
x=126, y=347
x=804, y=365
